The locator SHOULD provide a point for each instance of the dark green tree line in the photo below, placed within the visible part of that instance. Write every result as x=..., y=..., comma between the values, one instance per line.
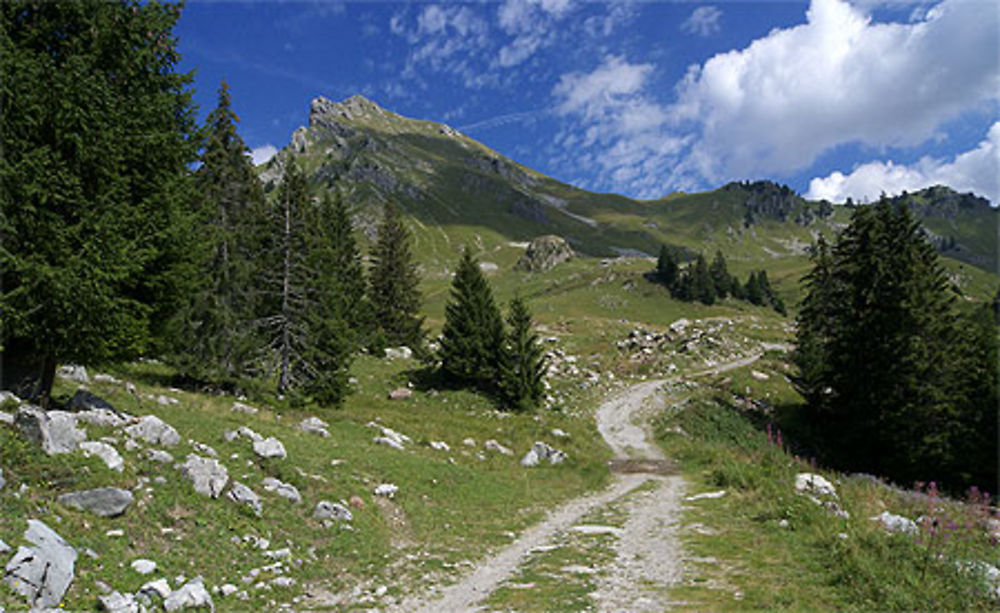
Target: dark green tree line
x=394, y=292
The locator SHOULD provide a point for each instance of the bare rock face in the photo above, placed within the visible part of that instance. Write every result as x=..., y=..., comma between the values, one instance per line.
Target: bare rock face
x=545, y=253
x=41, y=573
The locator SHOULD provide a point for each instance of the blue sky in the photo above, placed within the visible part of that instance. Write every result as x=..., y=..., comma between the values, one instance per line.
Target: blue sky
x=835, y=98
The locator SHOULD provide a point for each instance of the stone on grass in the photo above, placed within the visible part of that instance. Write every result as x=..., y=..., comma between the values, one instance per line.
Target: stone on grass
x=541, y=451
x=116, y=602
x=332, y=510
x=103, y=501
x=143, y=566
x=105, y=418
x=4, y=547
x=207, y=475
x=492, y=445
x=246, y=409
x=242, y=494
x=390, y=437
x=399, y=353
x=559, y=433
x=386, y=489
x=3, y=481
x=106, y=378
x=269, y=448
x=42, y=573
x=83, y=400
x=401, y=393
x=160, y=587
x=6, y=418
x=192, y=595
x=73, y=373
x=158, y=455
x=55, y=431
x=817, y=485
x=10, y=397
x=440, y=446
x=706, y=496
x=314, y=425
x=285, y=490
x=242, y=432
x=108, y=454
x=155, y=431
x=592, y=529
x=896, y=523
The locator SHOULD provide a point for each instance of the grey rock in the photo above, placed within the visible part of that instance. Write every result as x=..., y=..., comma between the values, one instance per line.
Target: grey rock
x=106, y=452
x=332, y=510
x=399, y=353
x=228, y=589
x=42, y=573
x=10, y=397
x=314, y=425
x=817, y=485
x=269, y=448
x=401, y=393
x=242, y=432
x=285, y=490
x=4, y=547
x=158, y=455
x=207, y=475
x=160, y=587
x=103, y=501
x=387, y=490
x=545, y=253
x=104, y=418
x=246, y=409
x=541, y=451
x=6, y=418
x=492, y=445
x=192, y=595
x=154, y=430
x=3, y=481
x=73, y=373
x=55, y=431
x=116, y=602
x=143, y=566
x=242, y=494
x=106, y=378
x=896, y=523
x=203, y=448
x=83, y=400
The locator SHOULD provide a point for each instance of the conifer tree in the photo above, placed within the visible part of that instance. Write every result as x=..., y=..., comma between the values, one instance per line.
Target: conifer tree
x=395, y=297
x=473, y=336
x=702, y=285
x=666, y=267
x=522, y=373
x=212, y=336
x=336, y=231
x=721, y=279
x=96, y=133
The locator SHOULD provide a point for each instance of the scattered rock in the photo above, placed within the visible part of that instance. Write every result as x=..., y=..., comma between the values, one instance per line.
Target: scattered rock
x=679, y=326
x=492, y=445
x=401, y=393
x=105, y=418
x=440, y=446
x=399, y=353
x=314, y=425
x=285, y=490
x=160, y=587
x=269, y=448
x=42, y=573
x=239, y=407
x=4, y=547
x=73, y=373
x=3, y=481
x=242, y=432
x=559, y=433
x=116, y=602
x=158, y=455
x=706, y=496
x=154, y=430
x=545, y=253
x=207, y=475
x=386, y=489
x=896, y=523
x=10, y=397
x=103, y=501
x=83, y=400
x=541, y=451
x=105, y=452
x=356, y=502
x=332, y=510
x=817, y=485
x=390, y=437
x=166, y=401
x=227, y=589
x=192, y=595
x=117, y=533
x=143, y=566
x=756, y=374
x=106, y=378
x=55, y=431
x=6, y=418
x=469, y=442
x=596, y=529
x=242, y=494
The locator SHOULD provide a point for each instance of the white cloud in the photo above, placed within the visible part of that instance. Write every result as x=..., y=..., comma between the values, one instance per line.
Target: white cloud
x=261, y=155
x=776, y=105
x=704, y=21
x=595, y=92
x=977, y=170
x=532, y=23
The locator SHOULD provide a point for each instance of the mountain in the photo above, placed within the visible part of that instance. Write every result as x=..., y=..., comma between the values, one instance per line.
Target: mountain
x=458, y=190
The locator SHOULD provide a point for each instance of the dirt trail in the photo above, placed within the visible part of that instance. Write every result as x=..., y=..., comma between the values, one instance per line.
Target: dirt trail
x=648, y=555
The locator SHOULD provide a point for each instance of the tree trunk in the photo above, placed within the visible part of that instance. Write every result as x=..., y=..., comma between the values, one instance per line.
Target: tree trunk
x=45, y=382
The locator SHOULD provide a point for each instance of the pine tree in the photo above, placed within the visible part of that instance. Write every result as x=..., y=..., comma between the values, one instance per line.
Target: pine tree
x=817, y=318
x=702, y=285
x=395, y=297
x=522, y=373
x=335, y=228
x=721, y=279
x=753, y=290
x=473, y=336
x=97, y=132
x=212, y=335
x=666, y=267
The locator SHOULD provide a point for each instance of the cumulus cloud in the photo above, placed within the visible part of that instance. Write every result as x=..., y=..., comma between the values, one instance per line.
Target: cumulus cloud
x=704, y=21
x=776, y=105
x=532, y=24
x=977, y=170
x=261, y=155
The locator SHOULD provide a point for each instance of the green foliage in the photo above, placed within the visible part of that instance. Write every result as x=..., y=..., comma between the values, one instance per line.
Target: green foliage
x=96, y=134
x=473, y=335
x=666, y=266
x=895, y=382
x=344, y=265
x=721, y=279
x=522, y=370
x=395, y=297
x=702, y=284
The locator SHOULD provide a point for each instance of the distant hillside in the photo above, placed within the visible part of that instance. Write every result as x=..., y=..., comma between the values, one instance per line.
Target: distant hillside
x=458, y=190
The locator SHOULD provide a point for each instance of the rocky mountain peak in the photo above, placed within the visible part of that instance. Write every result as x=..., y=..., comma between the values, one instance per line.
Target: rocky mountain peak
x=357, y=106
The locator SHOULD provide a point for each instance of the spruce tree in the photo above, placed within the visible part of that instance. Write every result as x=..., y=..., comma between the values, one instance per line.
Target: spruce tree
x=666, y=267
x=395, y=296
x=522, y=373
x=721, y=279
x=473, y=336
x=212, y=336
x=336, y=231
x=702, y=285
x=97, y=134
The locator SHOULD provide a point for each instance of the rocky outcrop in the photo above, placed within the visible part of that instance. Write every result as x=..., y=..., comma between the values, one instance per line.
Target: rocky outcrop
x=241, y=494
x=192, y=595
x=55, y=431
x=207, y=475
x=332, y=510
x=155, y=431
x=108, y=454
x=269, y=448
x=545, y=253
x=44, y=572
x=541, y=451
x=104, y=501
x=285, y=490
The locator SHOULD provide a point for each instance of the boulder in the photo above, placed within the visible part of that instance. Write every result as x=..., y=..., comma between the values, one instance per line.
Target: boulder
x=332, y=510
x=155, y=431
x=545, y=253
x=246, y=409
x=116, y=602
x=399, y=353
x=106, y=378
x=541, y=451
x=105, y=418
x=9, y=397
x=440, y=446
x=103, y=501
x=6, y=418
x=242, y=432
x=207, y=475
x=42, y=573
x=816, y=485
x=386, y=489
x=896, y=523
x=55, y=431
x=241, y=494
x=4, y=547
x=192, y=595
x=73, y=373
x=492, y=445
x=106, y=452
x=160, y=587
x=401, y=393
x=158, y=455
x=285, y=490
x=390, y=437
x=83, y=400
x=143, y=566
x=3, y=481
x=314, y=425
x=269, y=448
